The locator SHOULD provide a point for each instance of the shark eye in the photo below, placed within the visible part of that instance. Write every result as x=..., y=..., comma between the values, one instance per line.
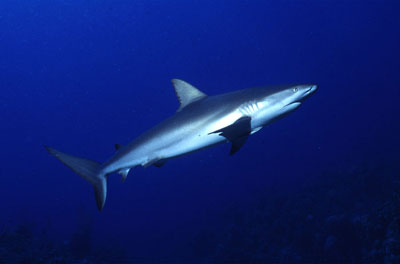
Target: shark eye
x=295, y=89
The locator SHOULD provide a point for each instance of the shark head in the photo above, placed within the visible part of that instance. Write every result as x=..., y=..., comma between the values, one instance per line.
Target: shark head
x=291, y=98
x=280, y=102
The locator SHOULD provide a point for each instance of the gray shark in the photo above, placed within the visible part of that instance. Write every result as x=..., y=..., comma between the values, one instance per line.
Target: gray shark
x=200, y=122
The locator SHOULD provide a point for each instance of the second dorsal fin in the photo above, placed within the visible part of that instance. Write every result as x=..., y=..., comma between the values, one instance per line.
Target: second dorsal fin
x=186, y=93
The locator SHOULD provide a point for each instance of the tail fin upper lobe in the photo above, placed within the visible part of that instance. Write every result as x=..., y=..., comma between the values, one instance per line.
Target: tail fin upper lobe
x=87, y=169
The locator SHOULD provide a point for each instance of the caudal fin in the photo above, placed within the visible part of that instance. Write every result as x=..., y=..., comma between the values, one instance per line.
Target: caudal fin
x=87, y=169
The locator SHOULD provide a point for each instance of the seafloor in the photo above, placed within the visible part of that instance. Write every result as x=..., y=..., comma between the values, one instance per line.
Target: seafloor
x=342, y=215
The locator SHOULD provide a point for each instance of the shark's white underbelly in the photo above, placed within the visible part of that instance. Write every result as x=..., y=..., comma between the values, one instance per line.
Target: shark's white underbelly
x=191, y=137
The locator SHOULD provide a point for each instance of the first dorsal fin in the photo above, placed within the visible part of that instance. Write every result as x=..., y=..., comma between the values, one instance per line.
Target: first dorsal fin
x=186, y=93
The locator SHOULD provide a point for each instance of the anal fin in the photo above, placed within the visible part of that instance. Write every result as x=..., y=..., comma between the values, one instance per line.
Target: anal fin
x=124, y=173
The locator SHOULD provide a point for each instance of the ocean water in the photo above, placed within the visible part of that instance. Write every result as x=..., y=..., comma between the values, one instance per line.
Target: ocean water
x=320, y=185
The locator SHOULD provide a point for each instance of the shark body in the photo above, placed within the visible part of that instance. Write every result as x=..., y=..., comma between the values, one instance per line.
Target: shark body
x=200, y=122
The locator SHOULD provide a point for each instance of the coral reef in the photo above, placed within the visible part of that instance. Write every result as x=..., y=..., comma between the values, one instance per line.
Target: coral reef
x=25, y=244
x=345, y=216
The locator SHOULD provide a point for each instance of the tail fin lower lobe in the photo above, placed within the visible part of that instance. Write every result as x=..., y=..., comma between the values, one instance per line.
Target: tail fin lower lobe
x=87, y=169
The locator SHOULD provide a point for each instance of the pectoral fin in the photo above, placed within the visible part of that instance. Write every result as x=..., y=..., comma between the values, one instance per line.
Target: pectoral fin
x=237, y=133
x=237, y=144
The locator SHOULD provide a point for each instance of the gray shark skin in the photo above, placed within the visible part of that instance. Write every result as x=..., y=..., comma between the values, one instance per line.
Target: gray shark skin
x=200, y=122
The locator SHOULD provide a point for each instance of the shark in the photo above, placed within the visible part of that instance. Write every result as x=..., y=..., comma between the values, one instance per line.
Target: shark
x=201, y=121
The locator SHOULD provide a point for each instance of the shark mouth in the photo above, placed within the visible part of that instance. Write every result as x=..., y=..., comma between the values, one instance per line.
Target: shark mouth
x=294, y=104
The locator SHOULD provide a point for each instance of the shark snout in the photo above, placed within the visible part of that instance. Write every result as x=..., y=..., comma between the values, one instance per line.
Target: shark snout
x=309, y=90
x=313, y=88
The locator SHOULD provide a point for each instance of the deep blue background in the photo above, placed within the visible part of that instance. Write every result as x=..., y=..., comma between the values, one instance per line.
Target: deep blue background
x=83, y=75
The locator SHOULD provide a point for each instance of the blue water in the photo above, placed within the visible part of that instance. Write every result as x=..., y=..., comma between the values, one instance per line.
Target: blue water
x=83, y=75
